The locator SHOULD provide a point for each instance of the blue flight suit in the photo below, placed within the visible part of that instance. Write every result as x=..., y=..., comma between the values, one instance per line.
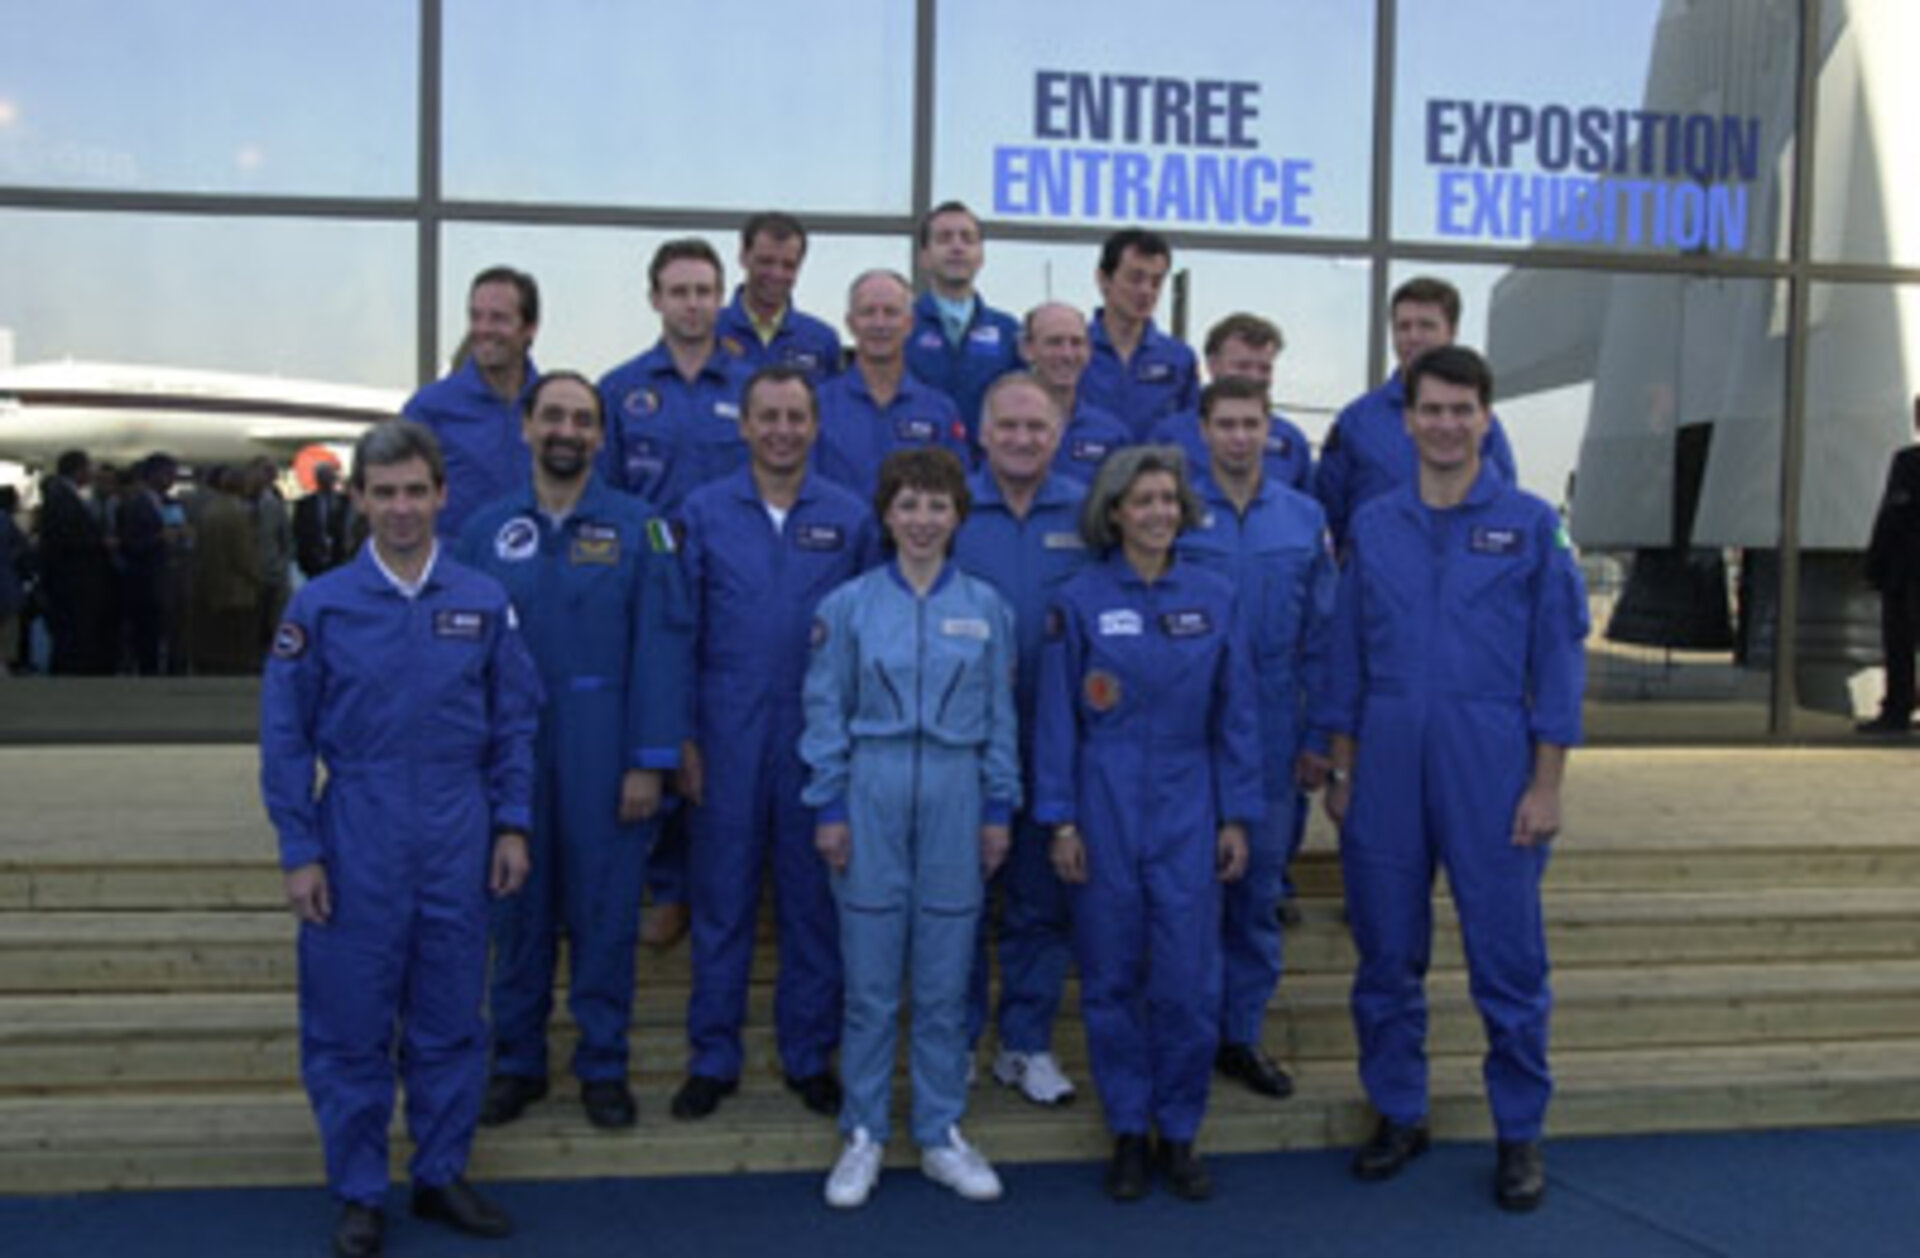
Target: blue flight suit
x=1149, y=738
x=857, y=433
x=480, y=437
x=1161, y=378
x=422, y=711
x=754, y=592
x=1458, y=644
x=1288, y=458
x=1026, y=560
x=1090, y=436
x=667, y=435
x=910, y=739
x=604, y=613
x=801, y=341
x=1276, y=556
x=989, y=349
x=1368, y=452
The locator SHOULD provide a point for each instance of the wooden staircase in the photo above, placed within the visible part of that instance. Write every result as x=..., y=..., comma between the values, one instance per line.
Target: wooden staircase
x=1726, y=955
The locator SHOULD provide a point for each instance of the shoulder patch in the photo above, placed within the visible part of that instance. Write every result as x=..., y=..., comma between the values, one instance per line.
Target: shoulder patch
x=660, y=537
x=1560, y=537
x=289, y=641
x=817, y=636
x=1056, y=624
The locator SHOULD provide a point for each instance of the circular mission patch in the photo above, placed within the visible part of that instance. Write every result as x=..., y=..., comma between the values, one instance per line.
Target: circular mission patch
x=1101, y=690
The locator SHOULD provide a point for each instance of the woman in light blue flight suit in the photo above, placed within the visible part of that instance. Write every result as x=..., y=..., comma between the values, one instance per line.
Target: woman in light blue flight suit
x=1147, y=765
x=915, y=770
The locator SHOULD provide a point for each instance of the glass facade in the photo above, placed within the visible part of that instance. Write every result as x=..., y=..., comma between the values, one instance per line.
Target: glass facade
x=1682, y=232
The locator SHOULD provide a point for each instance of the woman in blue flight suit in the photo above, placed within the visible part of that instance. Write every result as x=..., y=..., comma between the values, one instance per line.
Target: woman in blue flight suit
x=1147, y=765
x=915, y=770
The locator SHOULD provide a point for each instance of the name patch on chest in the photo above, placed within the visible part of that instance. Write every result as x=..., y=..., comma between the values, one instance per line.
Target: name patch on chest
x=1186, y=624
x=1062, y=541
x=457, y=624
x=1486, y=539
x=1085, y=451
x=1122, y=622
x=986, y=335
x=517, y=541
x=1154, y=373
x=971, y=627
x=820, y=537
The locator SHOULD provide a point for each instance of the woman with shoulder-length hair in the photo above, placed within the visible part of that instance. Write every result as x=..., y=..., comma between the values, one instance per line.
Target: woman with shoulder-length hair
x=915, y=773
x=1147, y=766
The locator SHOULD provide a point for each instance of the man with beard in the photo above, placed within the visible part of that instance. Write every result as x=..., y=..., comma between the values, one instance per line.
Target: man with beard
x=593, y=575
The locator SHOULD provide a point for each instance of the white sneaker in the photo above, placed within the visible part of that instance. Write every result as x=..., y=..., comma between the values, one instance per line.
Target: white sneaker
x=857, y=1171
x=962, y=1168
x=1036, y=1075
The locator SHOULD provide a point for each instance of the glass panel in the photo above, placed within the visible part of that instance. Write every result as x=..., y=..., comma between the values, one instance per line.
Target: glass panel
x=1866, y=197
x=210, y=96
x=1863, y=379
x=593, y=283
x=1635, y=126
x=1648, y=408
x=1255, y=120
x=726, y=103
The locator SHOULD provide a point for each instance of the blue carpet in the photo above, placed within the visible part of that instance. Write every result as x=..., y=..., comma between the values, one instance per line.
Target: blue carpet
x=1753, y=1195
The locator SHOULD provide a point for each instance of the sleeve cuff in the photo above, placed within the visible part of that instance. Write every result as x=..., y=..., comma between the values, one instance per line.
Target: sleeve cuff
x=656, y=758
x=833, y=812
x=295, y=854
x=997, y=813
x=513, y=817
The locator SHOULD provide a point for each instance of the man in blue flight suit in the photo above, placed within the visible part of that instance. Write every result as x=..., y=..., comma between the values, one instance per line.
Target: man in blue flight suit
x=1022, y=537
x=673, y=412
x=672, y=426
x=593, y=576
x=761, y=325
x=959, y=343
x=876, y=406
x=475, y=411
x=1243, y=346
x=1270, y=541
x=1367, y=451
x=400, y=680
x=1138, y=372
x=1054, y=342
x=763, y=547
x=1453, y=696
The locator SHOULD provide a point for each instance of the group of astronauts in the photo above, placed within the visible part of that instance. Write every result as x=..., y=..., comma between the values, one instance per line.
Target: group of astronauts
x=988, y=631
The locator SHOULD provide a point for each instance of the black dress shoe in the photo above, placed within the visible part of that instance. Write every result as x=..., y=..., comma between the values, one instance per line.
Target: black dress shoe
x=820, y=1093
x=608, y=1103
x=700, y=1095
x=457, y=1205
x=1885, y=725
x=508, y=1097
x=1186, y=1173
x=1127, y=1173
x=1520, y=1181
x=1254, y=1068
x=360, y=1231
x=1392, y=1147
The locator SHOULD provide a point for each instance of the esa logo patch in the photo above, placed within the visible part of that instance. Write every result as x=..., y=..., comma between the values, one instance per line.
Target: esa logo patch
x=640, y=402
x=518, y=540
x=289, y=641
x=1101, y=690
x=913, y=430
x=1122, y=622
x=1489, y=540
x=820, y=537
x=1187, y=624
x=1154, y=373
x=457, y=624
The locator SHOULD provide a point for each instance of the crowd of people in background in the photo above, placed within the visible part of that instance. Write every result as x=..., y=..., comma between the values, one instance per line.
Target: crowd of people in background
x=156, y=570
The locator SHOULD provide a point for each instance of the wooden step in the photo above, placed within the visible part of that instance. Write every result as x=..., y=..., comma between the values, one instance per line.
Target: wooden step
x=267, y=1136
x=224, y=1040
x=240, y=951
